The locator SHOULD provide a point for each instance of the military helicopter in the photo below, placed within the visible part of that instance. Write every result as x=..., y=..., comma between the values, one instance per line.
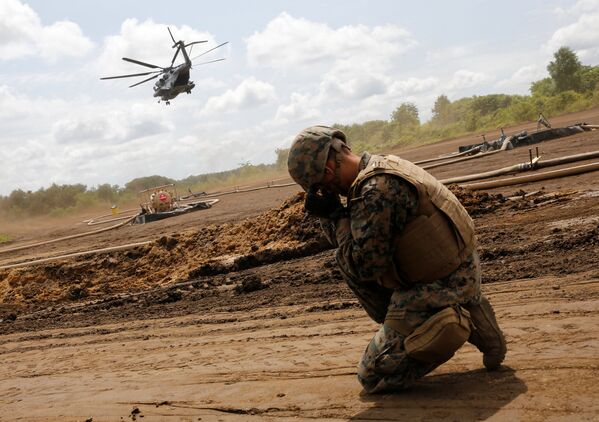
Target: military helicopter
x=174, y=80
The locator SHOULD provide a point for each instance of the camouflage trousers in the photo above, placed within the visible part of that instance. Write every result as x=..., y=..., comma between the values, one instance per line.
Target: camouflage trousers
x=385, y=364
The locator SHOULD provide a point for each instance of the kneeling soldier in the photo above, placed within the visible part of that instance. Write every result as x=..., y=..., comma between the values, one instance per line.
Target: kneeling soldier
x=407, y=249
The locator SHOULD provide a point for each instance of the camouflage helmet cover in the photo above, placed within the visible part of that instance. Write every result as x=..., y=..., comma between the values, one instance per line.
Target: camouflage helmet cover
x=309, y=152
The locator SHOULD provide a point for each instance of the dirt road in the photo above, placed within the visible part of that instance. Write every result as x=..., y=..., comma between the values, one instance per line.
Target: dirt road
x=238, y=314
x=283, y=363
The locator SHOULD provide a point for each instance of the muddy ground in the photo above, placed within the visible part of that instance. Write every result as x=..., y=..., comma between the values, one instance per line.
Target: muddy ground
x=238, y=312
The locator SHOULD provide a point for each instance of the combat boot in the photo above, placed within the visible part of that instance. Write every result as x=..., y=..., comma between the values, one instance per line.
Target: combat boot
x=487, y=335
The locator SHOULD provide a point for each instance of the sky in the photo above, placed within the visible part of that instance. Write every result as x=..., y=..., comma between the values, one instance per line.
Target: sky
x=288, y=65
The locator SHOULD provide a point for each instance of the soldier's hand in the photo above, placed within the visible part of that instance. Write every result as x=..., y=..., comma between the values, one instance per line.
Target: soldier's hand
x=323, y=204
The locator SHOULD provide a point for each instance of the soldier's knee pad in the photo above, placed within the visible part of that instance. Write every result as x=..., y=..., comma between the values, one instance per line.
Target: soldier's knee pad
x=440, y=336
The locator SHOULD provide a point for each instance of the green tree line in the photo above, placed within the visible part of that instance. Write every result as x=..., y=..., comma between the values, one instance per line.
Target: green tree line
x=570, y=86
x=60, y=200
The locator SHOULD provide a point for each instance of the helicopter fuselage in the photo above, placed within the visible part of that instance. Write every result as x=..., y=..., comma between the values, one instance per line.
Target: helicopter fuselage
x=174, y=82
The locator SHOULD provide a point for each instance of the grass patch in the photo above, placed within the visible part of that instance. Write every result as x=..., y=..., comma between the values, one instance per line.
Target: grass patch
x=5, y=238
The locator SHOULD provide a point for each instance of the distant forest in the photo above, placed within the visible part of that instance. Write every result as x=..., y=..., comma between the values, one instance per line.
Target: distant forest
x=571, y=86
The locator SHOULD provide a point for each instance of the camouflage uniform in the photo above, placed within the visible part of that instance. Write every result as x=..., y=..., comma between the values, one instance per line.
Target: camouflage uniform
x=377, y=215
x=364, y=253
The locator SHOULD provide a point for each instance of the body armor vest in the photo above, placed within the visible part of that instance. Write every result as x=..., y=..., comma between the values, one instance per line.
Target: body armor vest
x=436, y=239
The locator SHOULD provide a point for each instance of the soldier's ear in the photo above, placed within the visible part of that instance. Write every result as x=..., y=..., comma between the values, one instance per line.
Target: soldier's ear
x=329, y=168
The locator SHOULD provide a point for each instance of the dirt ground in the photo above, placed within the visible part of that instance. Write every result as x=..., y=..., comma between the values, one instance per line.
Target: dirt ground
x=238, y=313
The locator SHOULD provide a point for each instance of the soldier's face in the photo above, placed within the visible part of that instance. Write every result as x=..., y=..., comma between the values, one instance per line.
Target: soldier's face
x=329, y=182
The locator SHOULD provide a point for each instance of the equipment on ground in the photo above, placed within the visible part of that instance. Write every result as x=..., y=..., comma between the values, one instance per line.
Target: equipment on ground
x=162, y=202
x=174, y=80
x=525, y=139
x=542, y=121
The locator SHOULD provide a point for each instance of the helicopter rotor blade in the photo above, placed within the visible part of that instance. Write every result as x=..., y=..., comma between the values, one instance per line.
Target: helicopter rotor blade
x=191, y=44
x=172, y=38
x=195, y=42
x=175, y=56
x=145, y=80
x=131, y=75
x=211, y=61
x=208, y=51
x=151, y=66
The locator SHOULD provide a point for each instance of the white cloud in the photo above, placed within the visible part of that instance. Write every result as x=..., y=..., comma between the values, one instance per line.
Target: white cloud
x=89, y=157
x=582, y=36
x=581, y=6
x=78, y=141
x=12, y=105
x=63, y=38
x=209, y=84
x=413, y=86
x=289, y=42
x=22, y=34
x=523, y=76
x=450, y=53
x=16, y=106
x=148, y=42
x=249, y=93
x=463, y=79
x=301, y=107
x=40, y=165
x=359, y=68
x=115, y=125
x=350, y=83
x=61, y=124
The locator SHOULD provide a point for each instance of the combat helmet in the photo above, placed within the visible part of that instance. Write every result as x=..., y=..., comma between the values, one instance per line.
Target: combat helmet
x=309, y=151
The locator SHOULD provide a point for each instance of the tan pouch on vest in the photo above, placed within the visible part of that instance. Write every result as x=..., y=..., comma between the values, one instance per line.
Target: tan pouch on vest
x=428, y=249
x=440, y=336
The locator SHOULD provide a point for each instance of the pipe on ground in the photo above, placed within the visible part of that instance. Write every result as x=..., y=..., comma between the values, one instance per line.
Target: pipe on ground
x=73, y=254
x=567, y=159
x=522, y=167
x=460, y=154
x=92, y=221
x=74, y=236
x=554, y=174
x=459, y=160
x=507, y=144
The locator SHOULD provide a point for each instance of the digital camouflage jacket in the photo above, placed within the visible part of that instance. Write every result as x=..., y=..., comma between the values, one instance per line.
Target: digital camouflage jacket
x=365, y=239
